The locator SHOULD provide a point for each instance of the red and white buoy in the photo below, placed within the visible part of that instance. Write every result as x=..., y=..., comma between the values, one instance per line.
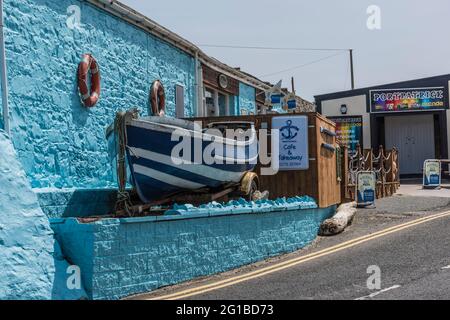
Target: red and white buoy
x=89, y=96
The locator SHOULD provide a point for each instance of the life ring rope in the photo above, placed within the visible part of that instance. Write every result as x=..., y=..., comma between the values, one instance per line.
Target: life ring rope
x=157, y=98
x=86, y=65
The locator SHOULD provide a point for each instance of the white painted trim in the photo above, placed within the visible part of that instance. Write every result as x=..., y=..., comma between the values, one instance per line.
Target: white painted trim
x=166, y=178
x=202, y=170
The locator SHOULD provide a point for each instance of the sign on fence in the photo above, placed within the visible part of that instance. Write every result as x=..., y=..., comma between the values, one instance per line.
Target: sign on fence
x=431, y=173
x=365, y=188
x=293, y=143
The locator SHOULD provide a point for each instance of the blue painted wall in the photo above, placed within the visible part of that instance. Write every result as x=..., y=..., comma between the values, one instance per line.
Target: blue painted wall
x=121, y=257
x=60, y=143
x=31, y=263
x=76, y=202
x=2, y=124
x=247, y=99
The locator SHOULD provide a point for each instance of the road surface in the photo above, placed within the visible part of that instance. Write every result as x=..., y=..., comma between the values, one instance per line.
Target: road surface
x=414, y=262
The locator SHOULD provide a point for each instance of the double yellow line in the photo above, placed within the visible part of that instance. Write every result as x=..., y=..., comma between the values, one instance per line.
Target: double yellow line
x=296, y=261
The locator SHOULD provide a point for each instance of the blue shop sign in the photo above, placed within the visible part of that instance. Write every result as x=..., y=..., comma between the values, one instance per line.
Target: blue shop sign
x=293, y=142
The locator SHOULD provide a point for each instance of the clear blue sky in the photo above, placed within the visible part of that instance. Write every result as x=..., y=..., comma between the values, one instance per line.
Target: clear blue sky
x=413, y=41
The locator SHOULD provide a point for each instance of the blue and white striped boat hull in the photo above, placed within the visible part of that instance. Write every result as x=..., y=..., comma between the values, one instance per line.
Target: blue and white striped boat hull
x=157, y=174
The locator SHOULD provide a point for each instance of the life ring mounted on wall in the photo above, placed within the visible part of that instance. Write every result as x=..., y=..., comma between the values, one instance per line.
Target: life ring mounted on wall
x=89, y=96
x=157, y=98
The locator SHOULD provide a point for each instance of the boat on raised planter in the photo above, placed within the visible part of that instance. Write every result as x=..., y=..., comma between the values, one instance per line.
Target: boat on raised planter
x=167, y=156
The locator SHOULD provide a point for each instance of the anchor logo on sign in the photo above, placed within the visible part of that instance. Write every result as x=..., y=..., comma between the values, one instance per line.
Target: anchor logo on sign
x=289, y=132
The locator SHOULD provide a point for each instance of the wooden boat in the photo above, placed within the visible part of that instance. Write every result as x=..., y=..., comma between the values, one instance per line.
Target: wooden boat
x=167, y=156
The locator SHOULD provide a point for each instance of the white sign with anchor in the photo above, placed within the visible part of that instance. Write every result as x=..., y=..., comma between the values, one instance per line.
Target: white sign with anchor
x=293, y=132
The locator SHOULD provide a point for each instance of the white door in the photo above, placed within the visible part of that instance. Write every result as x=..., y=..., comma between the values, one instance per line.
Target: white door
x=413, y=136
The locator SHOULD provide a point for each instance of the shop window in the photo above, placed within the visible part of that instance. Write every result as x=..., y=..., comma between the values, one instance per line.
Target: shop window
x=209, y=102
x=216, y=103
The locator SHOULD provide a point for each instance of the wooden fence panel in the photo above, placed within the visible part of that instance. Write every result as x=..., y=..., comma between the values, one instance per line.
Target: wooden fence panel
x=384, y=164
x=319, y=181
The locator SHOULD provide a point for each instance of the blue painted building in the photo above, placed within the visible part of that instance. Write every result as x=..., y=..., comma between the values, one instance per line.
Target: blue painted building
x=59, y=146
x=62, y=144
x=247, y=99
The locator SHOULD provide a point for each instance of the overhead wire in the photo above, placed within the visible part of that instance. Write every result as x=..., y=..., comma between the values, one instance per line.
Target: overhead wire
x=270, y=48
x=339, y=51
x=301, y=66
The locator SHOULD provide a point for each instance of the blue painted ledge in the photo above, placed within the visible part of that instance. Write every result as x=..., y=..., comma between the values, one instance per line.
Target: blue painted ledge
x=241, y=206
x=125, y=256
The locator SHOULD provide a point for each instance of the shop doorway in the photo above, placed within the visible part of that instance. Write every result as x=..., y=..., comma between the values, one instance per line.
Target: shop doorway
x=413, y=135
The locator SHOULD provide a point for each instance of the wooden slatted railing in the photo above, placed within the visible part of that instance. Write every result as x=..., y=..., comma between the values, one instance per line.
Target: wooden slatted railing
x=384, y=163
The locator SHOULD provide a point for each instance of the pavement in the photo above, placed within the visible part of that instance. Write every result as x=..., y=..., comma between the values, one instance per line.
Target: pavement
x=414, y=262
x=414, y=188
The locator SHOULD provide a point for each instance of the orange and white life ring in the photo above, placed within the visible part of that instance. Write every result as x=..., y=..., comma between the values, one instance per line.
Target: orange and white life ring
x=89, y=96
x=158, y=98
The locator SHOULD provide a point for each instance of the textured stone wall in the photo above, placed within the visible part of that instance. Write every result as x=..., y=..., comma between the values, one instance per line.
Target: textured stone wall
x=247, y=99
x=57, y=203
x=121, y=257
x=31, y=262
x=60, y=143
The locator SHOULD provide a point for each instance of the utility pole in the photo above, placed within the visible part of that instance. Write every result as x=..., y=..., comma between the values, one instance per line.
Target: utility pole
x=351, y=68
x=292, y=85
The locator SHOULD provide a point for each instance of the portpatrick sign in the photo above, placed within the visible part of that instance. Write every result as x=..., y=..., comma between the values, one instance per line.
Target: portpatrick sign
x=404, y=100
x=431, y=173
x=365, y=188
x=293, y=142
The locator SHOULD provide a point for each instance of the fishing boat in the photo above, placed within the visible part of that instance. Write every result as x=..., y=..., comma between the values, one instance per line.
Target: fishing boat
x=167, y=156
